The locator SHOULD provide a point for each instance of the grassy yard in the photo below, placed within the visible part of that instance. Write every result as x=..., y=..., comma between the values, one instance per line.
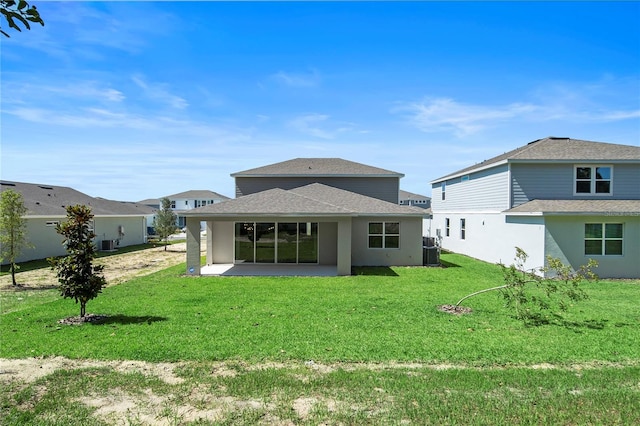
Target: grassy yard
x=367, y=349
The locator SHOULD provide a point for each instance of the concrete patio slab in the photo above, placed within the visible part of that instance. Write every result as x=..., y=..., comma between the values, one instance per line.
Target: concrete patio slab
x=274, y=270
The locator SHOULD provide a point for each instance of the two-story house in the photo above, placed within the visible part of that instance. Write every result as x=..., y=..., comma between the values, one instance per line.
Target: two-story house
x=309, y=211
x=566, y=198
x=410, y=199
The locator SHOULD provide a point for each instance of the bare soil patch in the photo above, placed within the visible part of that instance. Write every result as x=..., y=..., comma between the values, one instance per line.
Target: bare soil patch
x=455, y=309
x=118, y=268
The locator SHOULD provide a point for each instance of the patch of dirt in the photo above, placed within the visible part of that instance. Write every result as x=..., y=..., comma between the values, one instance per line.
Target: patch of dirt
x=454, y=309
x=118, y=268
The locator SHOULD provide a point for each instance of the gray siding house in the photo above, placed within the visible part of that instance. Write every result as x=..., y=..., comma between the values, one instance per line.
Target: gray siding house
x=559, y=197
x=309, y=211
x=116, y=223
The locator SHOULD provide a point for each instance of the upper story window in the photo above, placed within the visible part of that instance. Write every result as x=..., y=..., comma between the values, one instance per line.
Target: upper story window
x=384, y=235
x=594, y=180
x=444, y=189
x=173, y=204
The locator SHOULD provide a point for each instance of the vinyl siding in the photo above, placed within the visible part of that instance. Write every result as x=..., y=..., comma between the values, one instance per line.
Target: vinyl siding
x=386, y=189
x=484, y=190
x=556, y=182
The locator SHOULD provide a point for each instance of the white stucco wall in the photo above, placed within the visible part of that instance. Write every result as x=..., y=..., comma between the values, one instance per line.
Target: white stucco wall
x=493, y=237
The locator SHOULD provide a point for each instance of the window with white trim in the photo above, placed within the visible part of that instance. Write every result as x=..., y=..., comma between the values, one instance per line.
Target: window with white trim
x=447, y=227
x=384, y=235
x=444, y=190
x=603, y=239
x=173, y=204
x=594, y=180
x=463, y=229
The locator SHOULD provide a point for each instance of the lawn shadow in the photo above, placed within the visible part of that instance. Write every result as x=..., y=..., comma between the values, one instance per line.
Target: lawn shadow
x=380, y=271
x=559, y=321
x=126, y=319
x=445, y=264
x=580, y=326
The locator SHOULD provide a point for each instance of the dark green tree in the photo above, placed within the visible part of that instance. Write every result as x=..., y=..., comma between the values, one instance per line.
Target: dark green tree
x=13, y=228
x=165, y=222
x=18, y=11
x=79, y=279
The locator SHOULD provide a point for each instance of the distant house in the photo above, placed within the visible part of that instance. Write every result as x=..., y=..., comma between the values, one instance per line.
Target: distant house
x=417, y=200
x=116, y=223
x=560, y=197
x=313, y=211
x=186, y=201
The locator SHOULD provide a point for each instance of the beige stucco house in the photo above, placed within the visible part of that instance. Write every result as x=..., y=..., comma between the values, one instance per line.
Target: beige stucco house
x=312, y=211
x=116, y=224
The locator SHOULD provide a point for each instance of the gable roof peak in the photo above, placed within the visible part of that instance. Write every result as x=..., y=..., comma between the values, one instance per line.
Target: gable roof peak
x=317, y=167
x=554, y=148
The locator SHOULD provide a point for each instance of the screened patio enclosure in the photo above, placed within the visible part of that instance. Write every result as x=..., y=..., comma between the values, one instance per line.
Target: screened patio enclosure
x=276, y=242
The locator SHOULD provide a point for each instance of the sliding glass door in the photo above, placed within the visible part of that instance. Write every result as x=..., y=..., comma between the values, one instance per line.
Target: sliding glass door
x=273, y=242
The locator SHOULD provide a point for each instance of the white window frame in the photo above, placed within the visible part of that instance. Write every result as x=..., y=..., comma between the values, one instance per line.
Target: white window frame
x=604, y=239
x=592, y=180
x=383, y=235
x=447, y=227
x=463, y=228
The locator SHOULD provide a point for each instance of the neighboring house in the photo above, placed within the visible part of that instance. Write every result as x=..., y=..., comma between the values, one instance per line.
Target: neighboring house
x=193, y=199
x=115, y=223
x=417, y=200
x=560, y=197
x=322, y=211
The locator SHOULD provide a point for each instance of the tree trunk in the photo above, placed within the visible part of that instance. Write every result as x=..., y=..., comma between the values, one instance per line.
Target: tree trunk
x=83, y=308
x=13, y=274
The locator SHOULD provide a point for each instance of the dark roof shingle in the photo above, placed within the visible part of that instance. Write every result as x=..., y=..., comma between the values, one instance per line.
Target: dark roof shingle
x=313, y=199
x=559, y=149
x=50, y=200
x=580, y=207
x=317, y=167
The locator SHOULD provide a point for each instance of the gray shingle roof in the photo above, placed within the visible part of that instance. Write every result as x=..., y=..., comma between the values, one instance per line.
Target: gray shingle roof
x=197, y=194
x=580, y=207
x=317, y=167
x=50, y=200
x=559, y=149
x=406, y=195
x=315, y=199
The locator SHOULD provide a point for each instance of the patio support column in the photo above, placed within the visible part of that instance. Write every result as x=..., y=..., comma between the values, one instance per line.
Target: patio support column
x=209, y=243
x=193, y=246
x=344, y=246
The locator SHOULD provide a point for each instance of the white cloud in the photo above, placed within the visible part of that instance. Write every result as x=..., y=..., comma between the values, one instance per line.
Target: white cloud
x=159, y=92
x=309, y=79
x=555, y=103
x=320, y=126
x=444, y=114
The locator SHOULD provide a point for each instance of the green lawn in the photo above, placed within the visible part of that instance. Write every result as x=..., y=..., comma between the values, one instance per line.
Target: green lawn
x=383, y=316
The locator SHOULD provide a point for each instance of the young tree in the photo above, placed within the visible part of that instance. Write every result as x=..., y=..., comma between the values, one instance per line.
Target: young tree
x=533, y=293
x=13, y=11
x=13, y=228
x=165, y=222
x=79, y=279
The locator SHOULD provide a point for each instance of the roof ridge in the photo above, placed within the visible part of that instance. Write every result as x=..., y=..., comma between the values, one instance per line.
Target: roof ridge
x=320, y=201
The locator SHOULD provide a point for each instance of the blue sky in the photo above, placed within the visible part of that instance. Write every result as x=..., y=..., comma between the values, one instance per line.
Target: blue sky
x=135, y=100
